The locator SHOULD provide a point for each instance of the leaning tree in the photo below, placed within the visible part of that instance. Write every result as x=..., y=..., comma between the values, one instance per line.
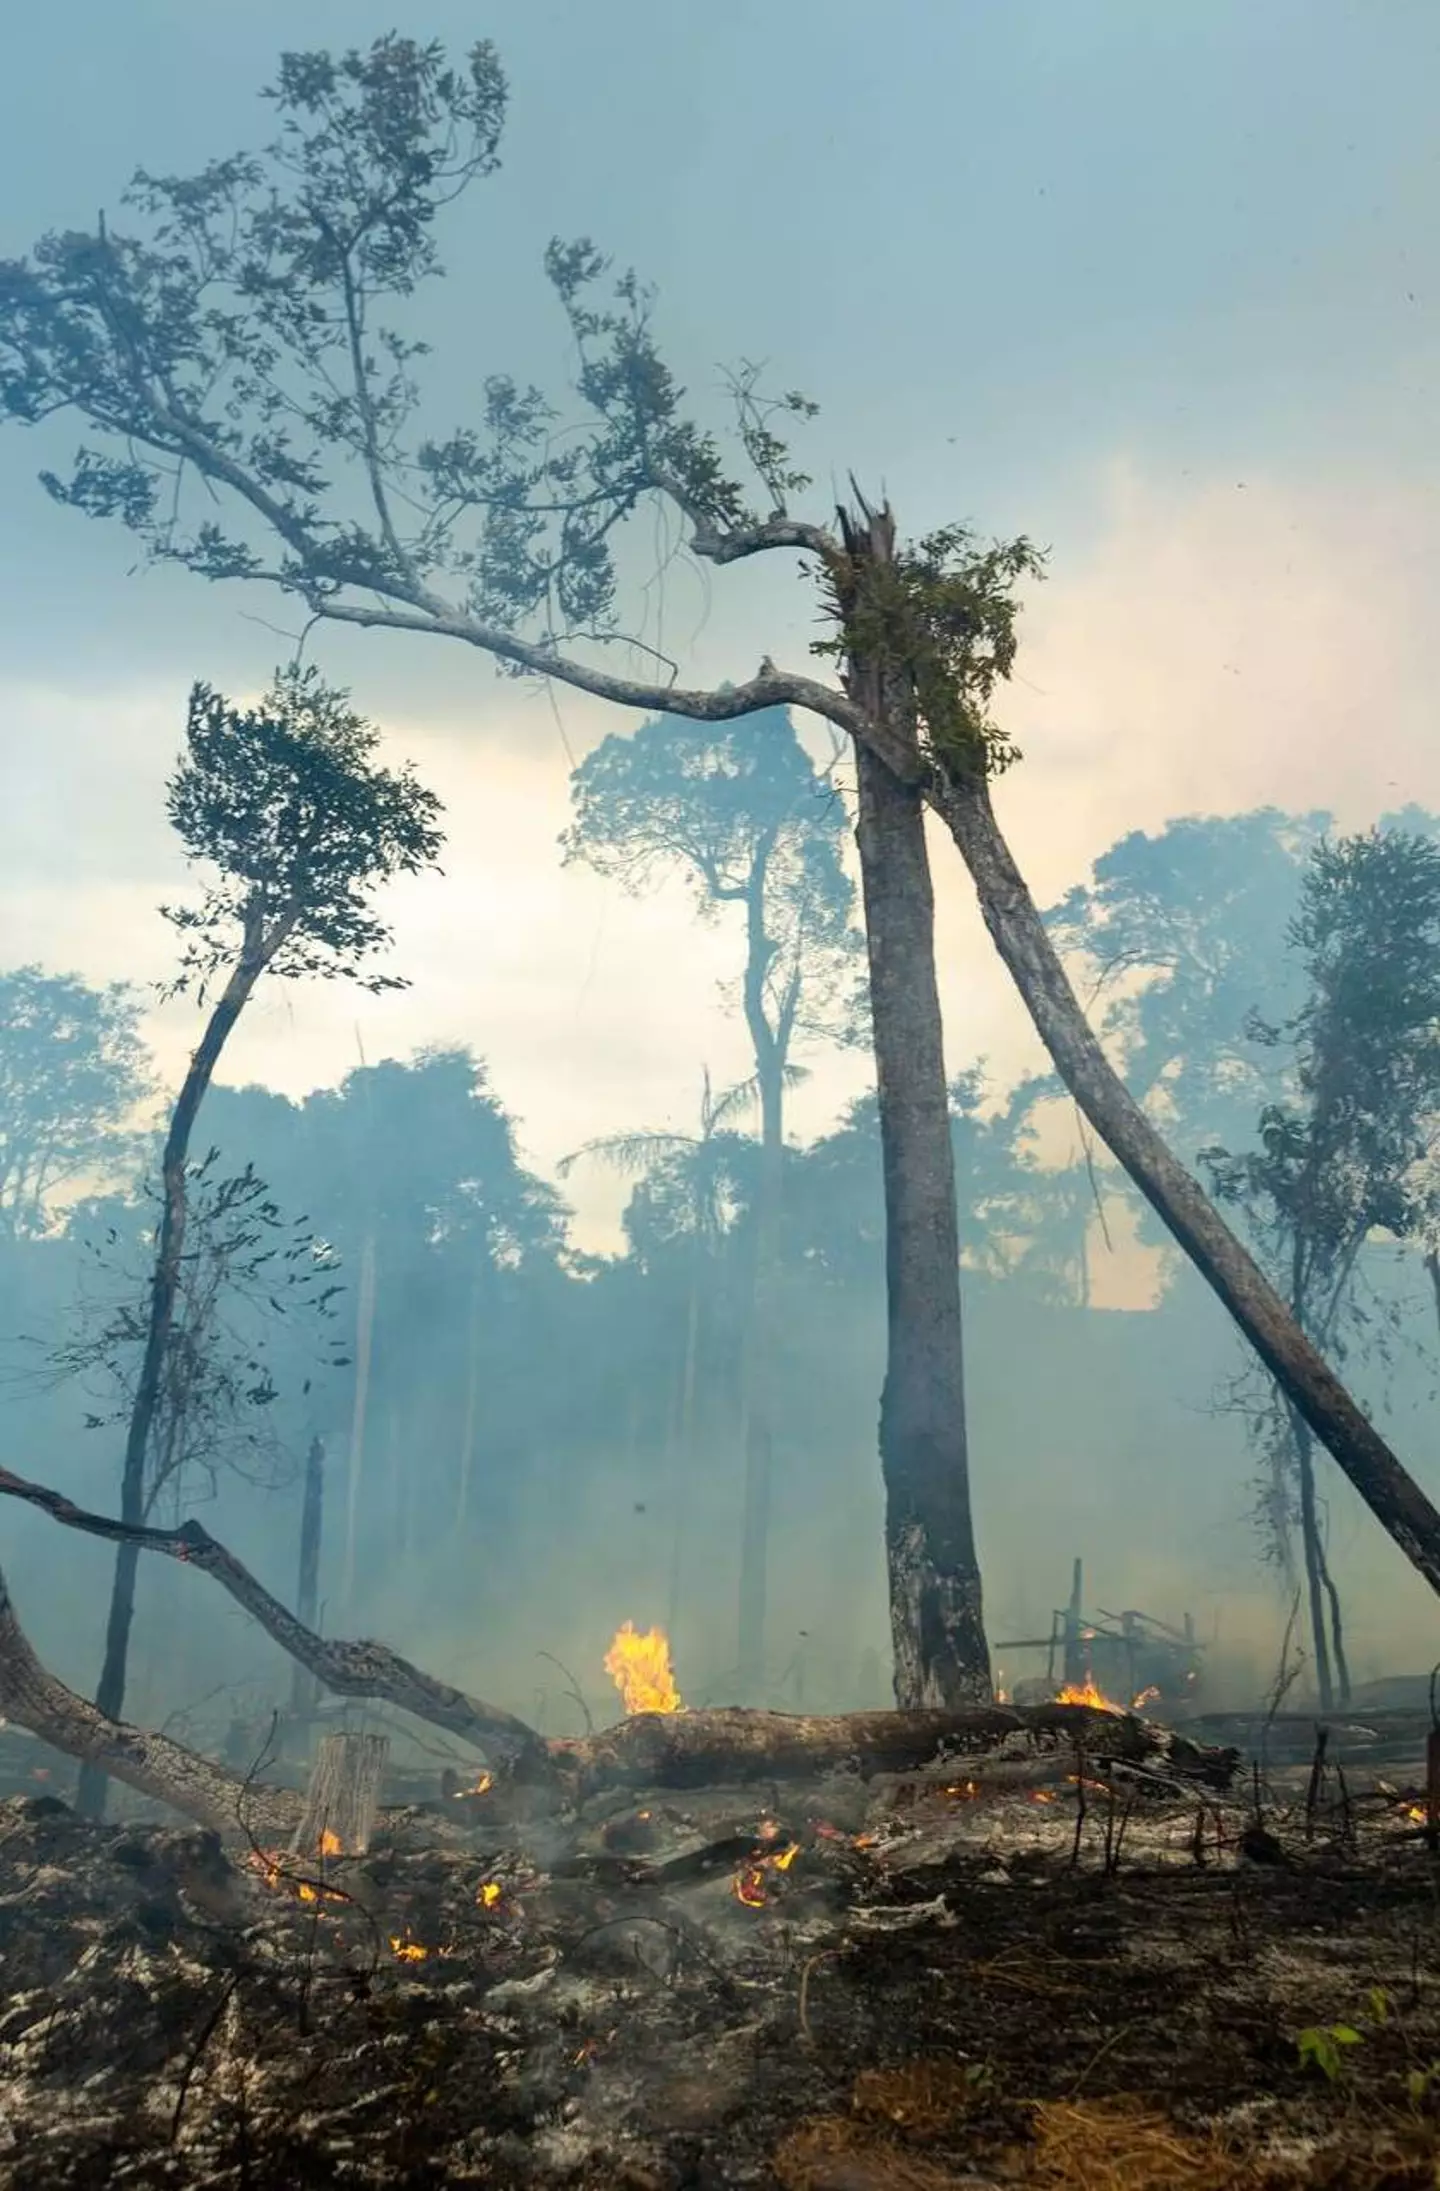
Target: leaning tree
x=245, y=338
x=297, y=824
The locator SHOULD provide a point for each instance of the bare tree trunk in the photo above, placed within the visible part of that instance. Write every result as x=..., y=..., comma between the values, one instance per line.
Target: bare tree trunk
x=684, y=1457
x=257, y=949
x=156, y=1766
x=1306, y=1379
x=303, y=1693
x=364, y=1337
x=472, y=1411
x=1310, y=1548
x=936, y=1615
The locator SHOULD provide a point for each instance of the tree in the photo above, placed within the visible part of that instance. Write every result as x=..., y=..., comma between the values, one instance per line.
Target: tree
x=72, y=1071
x=1341, y=1154
x=241, y=346
x=743, y=817
x=288, y=808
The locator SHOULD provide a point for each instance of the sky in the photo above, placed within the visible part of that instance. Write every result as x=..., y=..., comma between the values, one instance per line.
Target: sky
x=1158, y=286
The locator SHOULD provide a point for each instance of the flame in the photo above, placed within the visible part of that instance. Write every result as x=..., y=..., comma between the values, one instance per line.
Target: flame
x=639, y=1666
x=1146, y=1696
x=1416, y=1813
x=964, y=1790
x=750, y=1886
x=1085, y=1692
x=785, y=1858
x=329, y=1843
x=408, y=1950
x=488, y=1894
x=1042, y=1795
x=482, y=1787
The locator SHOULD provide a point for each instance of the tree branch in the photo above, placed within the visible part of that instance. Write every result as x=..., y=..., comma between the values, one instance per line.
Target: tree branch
x=360, y=1669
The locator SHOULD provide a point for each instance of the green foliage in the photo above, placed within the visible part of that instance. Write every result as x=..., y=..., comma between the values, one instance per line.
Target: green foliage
x=944, y=612
x=1320, y=2047
x=287, y=803
x=72, y=1070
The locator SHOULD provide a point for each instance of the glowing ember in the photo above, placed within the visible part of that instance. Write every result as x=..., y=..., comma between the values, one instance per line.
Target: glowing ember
x=408, y=1950
x=1085, y=1692
x=1416, y=1813
x=489, y=1893
x=639, y=1666
x=750, y=1886
x=329, y=1843
x=964, y=1791
x=1042, y=1795
x=749, y=1882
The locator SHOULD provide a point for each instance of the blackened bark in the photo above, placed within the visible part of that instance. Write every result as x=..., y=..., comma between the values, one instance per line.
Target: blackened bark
x=936, y=1617
x=1306, y=1379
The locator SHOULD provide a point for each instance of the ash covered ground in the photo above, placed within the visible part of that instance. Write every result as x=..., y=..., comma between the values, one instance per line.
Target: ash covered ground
x=1017, y=1973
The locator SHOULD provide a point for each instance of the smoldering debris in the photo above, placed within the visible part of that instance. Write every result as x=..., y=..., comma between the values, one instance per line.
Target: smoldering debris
x=833, y=1983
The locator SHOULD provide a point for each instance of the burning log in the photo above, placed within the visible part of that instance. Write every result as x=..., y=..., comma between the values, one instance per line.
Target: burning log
x=153, y=1764
x=696, y=1749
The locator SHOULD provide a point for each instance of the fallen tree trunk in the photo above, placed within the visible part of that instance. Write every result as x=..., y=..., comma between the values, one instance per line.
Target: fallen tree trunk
x=1300, y=1370
x=35, y=1699
x=361, y=1669
x=714, y=1748
x=661, y=1750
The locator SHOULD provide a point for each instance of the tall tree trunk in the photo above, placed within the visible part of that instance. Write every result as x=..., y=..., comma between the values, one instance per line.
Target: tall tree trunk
x=683, y=1470
x=758, y=1368
x=364, y=1339
x=472, y=1410
x=1311, y=1552
x=936, y=1616
x=257, y=949
x=1019, y=935
x=304, y=1691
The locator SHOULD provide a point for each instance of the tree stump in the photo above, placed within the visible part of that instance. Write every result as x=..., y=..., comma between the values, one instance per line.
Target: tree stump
x=343, y=1796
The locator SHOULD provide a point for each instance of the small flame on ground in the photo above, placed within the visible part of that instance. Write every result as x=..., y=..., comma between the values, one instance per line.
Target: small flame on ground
x=488, y=1894
x=329, y=1843
x=482, y=1787
x=750, y=1887
x=964, y=1791
x=639, y=1666
x=1042, y=1795
x=408, y=1950
x=1416, y=1813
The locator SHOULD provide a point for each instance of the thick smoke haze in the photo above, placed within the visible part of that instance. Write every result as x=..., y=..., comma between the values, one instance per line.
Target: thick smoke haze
x=1160, y=288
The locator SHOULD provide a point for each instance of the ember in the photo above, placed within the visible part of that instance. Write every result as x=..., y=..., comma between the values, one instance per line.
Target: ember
x=488, y=1893
x=408, y=1950
x=639, y=1666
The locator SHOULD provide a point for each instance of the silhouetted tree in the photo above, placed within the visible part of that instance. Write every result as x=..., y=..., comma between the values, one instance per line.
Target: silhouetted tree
x=1341, y=1154
x=740, y=814
x=72, y=1070
x=288, y=809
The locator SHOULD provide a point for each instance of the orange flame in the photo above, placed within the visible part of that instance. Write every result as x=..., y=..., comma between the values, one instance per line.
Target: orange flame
x=489, y=1893
x=329, y=1843
x=639, y=1666
x=408, y=1950
x=482, y=1787
x=1085, y=1692
x=750, y=1886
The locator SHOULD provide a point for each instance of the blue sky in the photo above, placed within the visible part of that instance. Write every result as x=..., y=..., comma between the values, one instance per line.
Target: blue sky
x=1154, y=281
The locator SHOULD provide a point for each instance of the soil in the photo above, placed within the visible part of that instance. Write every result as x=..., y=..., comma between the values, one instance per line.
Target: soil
x=1021, y=1976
